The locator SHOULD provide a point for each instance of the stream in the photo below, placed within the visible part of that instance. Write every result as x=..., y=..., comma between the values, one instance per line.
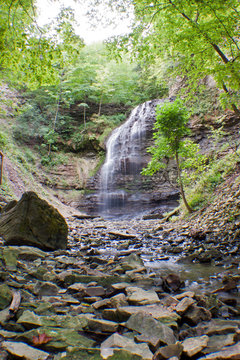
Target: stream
x=112, y=240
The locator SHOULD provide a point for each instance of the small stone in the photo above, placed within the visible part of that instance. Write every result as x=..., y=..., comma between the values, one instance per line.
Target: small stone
x=131, y=262
x=168, y=352
x=196, y=314
x=172, y=283
x=77, y=287
x=219, y=327
x=228, y=353
x=138, y=296
x=189, y=294
x=24, y=351
x=5, y=296
x=152, y=331
x=158, y=312
x=120, y=286
x=102, y=326
x=94, y=291
x=194, y=345
x=122, y=342
x=217, y=342
x=183, y=305
x=46, y=289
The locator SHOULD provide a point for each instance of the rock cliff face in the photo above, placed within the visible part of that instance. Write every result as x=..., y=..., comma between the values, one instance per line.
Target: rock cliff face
x=119, y=189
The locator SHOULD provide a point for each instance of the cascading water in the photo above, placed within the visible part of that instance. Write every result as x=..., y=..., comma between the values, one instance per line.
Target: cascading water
x=124, y=162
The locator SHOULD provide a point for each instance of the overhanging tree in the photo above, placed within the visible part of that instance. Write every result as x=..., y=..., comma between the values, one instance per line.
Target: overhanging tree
x=202, y=37
x=170, y=129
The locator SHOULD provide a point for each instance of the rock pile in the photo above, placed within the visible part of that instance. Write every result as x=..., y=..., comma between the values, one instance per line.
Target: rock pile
x=73, y=305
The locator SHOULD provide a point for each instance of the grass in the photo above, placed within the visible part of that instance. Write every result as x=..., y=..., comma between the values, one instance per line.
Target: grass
x=201, y=193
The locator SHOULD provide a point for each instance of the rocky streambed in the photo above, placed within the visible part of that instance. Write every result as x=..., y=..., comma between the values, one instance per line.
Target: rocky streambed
x=121, y=290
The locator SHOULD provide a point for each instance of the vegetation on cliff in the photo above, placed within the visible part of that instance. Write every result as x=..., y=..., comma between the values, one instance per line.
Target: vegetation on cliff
x=71, y=96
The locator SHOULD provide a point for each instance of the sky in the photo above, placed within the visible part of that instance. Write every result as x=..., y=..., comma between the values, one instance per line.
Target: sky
x=48, y=10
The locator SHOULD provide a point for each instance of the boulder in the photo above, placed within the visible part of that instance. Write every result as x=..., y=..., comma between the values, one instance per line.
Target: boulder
x=32, y=221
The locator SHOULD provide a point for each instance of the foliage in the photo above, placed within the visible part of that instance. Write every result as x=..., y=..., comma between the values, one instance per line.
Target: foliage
x=201, y=38
x=3, y=139
x=29, y=55
x=200, y=192
x=96, y=78
x=171, y=127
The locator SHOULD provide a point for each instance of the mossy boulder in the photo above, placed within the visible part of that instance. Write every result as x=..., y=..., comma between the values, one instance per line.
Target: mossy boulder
x=32, y=221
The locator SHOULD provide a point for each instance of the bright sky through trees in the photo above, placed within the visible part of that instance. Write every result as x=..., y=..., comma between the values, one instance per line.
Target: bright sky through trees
x=48, y=10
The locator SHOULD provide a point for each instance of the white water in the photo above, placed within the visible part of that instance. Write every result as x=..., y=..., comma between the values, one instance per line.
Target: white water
x=123, y=158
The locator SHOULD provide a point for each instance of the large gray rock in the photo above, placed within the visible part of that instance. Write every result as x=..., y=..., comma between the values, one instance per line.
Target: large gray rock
x=117, y=341
x=24, y=351
x=194, y=345
x=32, y=221
x=138, y=296
x=151, y=330
x=228, y=353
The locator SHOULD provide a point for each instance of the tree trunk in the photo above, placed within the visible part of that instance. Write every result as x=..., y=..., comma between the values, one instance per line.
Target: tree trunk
x=100, y=106
x=189, y=209
x=1, y=167
x=234, y=107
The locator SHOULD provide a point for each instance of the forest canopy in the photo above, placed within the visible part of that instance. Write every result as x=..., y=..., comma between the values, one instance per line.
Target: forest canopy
x=199, y=37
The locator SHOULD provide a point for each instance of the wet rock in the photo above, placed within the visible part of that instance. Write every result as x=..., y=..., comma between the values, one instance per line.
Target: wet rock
x=172, y=283
x=24, y=351
x=209, y=255
x=194, y=345
x=151, y=330
x=32, y=221
x=119, y=341
x=131, y=262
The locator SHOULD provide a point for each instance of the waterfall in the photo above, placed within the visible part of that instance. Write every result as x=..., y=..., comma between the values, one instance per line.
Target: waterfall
x=120, y=178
